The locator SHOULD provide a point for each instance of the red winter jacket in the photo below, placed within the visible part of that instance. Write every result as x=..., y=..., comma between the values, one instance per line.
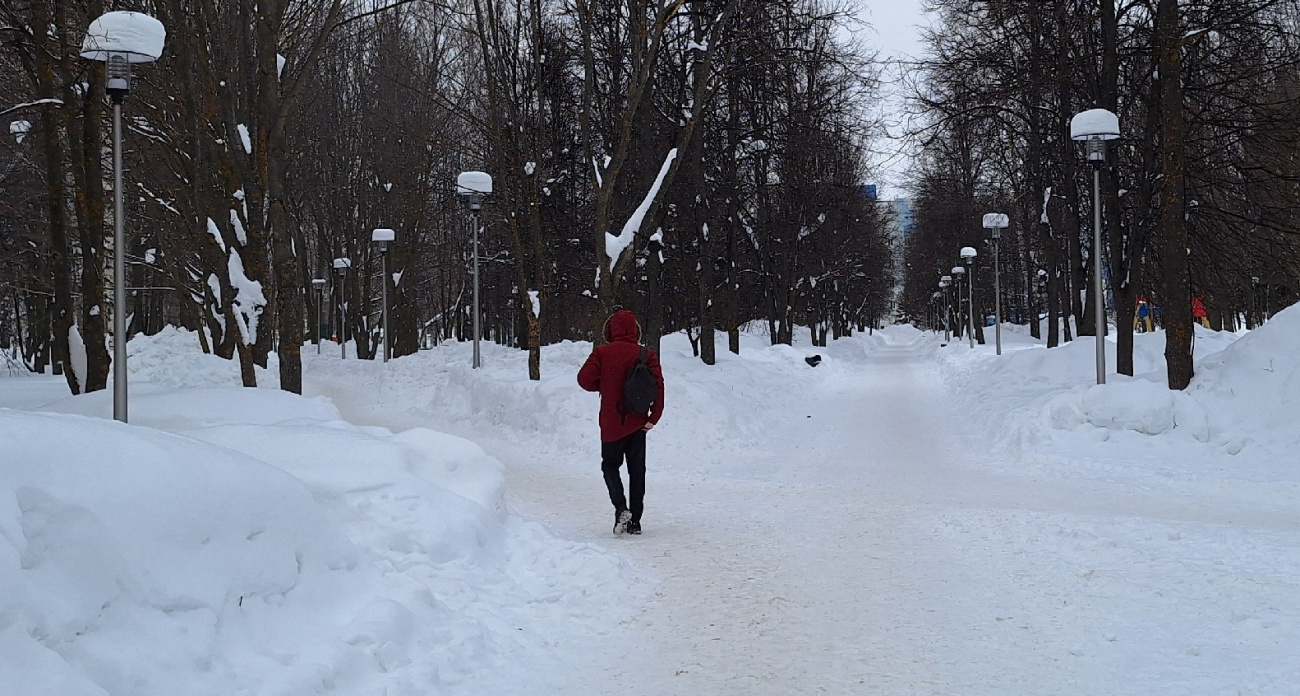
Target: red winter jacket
x=607, y=368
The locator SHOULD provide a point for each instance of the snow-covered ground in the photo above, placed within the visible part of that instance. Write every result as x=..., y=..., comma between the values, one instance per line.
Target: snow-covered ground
x=906, y=518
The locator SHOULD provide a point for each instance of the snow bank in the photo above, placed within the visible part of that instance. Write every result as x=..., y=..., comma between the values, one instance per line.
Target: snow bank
x=1253, y=385
x=259, y=544
x=142, y=562
x=1242, y=404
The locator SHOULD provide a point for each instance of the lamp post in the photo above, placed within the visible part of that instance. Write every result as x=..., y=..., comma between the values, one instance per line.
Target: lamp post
x=319, y=284
x=341, y=267
x=959, y=272
x=1254, y=299
x=119, y=39
x=968, y=253
x=1095, y=127
x=945, y=282
x=995, y=223
x=474, y=186
x=381, y=237
x=934, y=311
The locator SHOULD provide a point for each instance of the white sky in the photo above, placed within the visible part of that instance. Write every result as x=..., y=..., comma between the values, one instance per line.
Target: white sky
x=895, y=32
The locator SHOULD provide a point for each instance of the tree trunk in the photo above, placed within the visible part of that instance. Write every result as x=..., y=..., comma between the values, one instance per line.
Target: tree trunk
x=60, y=263
x=1173, y=223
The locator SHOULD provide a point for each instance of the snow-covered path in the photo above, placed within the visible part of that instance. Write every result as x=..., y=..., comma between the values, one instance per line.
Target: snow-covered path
x=865, y=539
x=807, y=564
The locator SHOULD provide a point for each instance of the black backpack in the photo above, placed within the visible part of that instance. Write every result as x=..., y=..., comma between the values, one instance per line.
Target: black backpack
x=640, y=388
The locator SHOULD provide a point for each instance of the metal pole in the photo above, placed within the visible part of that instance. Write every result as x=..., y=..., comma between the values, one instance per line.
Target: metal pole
x=970, y=303
x=343, y=319
x=948, y=314
x=476, y=319
x=320, y=300
x=997, y=298
x=948, y=332
x=1100, y=304
x=384, y=258
x=119, y=272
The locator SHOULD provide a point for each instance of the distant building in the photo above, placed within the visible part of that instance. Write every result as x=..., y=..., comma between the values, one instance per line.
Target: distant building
x=900, y=217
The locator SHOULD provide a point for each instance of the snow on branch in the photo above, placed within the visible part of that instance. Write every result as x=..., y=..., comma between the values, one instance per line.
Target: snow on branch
x=615, y=246
x=30, y=104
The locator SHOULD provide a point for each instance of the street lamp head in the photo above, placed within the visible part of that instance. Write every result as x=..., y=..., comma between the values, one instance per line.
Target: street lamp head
x=341, y=266
x=318, y=283
x=946, y=279
x=1096, y=124
x=968, y=253
x=474, y=186
x=1254, y=280
x=994, y=223
x=381, y=237
x=958, y=271
x=120, y=39
x=1095, y=127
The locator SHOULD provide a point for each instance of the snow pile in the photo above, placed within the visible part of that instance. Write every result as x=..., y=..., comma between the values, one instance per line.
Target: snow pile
x=265, y=546
x=1041, y=404
x=1254, y=384
x=1030, y=391
x=141, y=562
x=1138, y=405
x=173, y=358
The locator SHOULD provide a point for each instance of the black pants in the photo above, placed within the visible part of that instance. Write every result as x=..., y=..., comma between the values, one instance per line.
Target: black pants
x=611, y=460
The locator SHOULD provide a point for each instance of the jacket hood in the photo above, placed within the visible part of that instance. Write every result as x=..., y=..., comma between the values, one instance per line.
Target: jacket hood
x=622, y=326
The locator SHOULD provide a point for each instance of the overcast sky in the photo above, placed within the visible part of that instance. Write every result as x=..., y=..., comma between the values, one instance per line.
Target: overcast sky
x=894, y=24
x=894, y=32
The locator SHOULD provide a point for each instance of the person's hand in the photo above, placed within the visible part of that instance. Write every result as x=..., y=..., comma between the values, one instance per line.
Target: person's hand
x=648, y=426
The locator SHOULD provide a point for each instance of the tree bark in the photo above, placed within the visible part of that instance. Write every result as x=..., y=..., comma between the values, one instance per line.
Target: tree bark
x=1177, y=312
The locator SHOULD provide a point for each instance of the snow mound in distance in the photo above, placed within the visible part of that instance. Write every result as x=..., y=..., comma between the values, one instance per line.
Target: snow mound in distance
x=172, y=358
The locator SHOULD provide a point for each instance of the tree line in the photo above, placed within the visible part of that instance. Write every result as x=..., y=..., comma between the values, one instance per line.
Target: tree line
x=700, y=161
x=1198, y=196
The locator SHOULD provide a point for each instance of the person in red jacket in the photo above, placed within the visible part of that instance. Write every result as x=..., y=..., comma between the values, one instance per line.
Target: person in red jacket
x=622, y=435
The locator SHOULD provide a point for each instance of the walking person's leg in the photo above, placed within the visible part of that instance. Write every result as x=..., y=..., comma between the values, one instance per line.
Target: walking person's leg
x=611, y=459
x=635, y=450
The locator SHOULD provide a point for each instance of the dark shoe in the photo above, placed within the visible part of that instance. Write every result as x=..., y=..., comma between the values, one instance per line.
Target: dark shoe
x=621, y=519
x=633, y=527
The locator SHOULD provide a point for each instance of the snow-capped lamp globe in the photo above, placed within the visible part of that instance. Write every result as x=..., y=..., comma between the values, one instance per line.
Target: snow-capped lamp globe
x=474, y=186
x=1095, y=127
x=119, y=39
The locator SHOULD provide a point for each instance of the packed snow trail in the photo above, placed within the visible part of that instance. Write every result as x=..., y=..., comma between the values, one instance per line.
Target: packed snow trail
x=800, y=566
x=864, y=541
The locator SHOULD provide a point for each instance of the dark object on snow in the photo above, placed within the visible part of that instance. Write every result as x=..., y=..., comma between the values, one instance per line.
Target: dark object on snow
x=813, y=360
